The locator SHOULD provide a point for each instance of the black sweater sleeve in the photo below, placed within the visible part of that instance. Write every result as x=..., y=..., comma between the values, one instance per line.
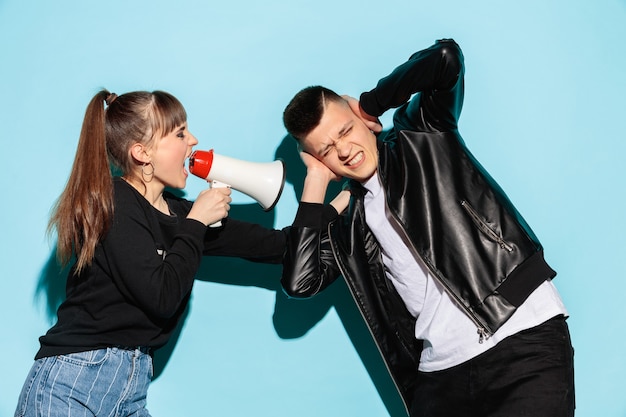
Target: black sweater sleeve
x=152, y=269
x=246, y=240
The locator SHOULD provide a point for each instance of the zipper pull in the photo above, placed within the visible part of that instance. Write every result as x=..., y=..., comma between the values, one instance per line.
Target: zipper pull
x=482, y=335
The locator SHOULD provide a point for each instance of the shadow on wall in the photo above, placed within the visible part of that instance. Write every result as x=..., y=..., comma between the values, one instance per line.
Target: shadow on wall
x=292, y=318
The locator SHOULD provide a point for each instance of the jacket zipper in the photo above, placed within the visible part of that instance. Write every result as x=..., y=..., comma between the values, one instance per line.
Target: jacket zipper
x=481, y=330
x=369, y=329
x=484, y=227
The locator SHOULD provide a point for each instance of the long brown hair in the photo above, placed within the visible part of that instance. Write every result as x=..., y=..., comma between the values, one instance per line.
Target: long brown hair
x=83, y=212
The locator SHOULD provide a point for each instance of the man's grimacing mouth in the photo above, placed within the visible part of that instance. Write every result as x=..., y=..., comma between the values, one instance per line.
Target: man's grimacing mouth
x=356, y=159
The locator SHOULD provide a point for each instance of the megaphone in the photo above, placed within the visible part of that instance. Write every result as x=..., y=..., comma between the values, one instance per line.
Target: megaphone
x=263, y=181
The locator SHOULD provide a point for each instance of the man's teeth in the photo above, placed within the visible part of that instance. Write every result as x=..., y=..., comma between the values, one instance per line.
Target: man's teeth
x=358, y=158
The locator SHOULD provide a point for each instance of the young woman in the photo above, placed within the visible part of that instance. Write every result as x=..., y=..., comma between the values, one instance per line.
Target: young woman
x=136, y=249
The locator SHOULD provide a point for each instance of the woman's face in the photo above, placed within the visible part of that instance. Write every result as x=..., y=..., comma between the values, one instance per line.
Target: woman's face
x=169, y=155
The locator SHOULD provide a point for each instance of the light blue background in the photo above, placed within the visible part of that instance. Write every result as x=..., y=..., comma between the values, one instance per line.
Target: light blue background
x=544, y=112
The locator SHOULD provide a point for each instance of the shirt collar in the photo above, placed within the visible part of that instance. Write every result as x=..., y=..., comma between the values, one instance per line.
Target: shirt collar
x=372, y=185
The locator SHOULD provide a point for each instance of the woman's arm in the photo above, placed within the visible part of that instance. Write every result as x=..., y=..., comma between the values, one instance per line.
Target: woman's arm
x=153, y=271
x=246, y=240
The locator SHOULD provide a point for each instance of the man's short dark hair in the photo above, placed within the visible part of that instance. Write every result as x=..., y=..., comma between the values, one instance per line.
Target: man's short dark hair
x=305, y=110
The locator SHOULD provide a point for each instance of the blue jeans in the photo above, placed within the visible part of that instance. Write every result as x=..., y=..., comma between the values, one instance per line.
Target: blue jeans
x=529, y=374
x=106, y=382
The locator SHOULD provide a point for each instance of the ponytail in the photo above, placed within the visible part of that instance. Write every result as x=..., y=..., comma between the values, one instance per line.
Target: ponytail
x=82, y=214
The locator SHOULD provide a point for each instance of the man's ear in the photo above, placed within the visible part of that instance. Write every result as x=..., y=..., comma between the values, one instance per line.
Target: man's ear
x=373, y=125
x=140, y=153
x=371, y=122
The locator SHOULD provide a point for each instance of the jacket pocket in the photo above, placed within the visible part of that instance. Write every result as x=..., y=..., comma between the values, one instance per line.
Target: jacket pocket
x=485, y=228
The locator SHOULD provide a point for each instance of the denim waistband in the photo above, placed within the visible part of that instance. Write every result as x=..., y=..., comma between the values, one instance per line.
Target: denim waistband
x=143, y=349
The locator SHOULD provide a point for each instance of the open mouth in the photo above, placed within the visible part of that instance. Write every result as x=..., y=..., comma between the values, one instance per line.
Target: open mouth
x=358, y=158
x=185, y=165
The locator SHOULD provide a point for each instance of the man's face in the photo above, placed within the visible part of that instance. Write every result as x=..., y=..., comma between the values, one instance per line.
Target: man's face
x=343, y=143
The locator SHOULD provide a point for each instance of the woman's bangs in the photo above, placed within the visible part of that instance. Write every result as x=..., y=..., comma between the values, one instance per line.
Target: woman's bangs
x=169, y=113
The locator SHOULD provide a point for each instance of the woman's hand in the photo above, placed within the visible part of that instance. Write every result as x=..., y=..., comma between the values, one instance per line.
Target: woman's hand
x=211, y=206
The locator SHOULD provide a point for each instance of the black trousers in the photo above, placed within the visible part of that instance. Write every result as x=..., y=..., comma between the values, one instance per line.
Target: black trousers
x=528, y=374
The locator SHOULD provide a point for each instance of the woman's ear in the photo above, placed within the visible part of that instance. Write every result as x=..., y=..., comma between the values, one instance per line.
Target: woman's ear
x=139, y=153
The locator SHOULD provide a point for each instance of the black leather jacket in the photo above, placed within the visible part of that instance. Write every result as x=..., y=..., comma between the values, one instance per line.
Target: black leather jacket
x=457, y=219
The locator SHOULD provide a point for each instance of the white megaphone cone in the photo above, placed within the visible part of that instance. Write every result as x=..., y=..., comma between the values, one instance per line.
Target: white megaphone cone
x=263, y=181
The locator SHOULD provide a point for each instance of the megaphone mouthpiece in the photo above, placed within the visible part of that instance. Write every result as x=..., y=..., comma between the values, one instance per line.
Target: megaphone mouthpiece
x=200, y=163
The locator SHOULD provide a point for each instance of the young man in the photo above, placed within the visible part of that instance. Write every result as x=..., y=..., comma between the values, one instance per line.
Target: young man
x=450, y=279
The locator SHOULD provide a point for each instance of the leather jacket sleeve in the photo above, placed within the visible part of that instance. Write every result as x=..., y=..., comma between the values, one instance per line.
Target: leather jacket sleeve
x=309, y=265
x=436, y=75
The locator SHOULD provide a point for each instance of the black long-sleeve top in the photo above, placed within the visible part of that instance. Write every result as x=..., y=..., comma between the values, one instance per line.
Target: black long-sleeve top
x=142, y=274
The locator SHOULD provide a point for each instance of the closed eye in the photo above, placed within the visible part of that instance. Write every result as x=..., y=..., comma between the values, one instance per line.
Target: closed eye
x=326, y=152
